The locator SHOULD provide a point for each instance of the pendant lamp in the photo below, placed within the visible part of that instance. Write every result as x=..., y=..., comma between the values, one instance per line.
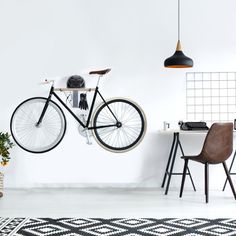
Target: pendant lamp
x=178, y=59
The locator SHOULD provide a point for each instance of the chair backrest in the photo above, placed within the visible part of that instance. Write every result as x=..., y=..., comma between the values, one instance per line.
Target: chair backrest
x=218, y=145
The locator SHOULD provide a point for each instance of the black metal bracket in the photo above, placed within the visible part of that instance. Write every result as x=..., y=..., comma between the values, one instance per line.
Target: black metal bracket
x=230, y=168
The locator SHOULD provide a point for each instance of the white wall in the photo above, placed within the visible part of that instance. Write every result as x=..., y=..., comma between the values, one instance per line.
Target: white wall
x=44, y=38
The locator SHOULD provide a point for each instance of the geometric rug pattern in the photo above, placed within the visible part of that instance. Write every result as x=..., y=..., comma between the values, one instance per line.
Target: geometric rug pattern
x=116, y=226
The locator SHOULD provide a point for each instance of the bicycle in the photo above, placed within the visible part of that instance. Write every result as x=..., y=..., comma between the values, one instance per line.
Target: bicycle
x=38, y=124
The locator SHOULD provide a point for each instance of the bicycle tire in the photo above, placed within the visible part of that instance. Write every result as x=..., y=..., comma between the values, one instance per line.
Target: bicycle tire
x=122, y=109
x=27, y=135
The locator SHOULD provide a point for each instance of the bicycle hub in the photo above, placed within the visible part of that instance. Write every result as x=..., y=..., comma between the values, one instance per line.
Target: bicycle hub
x=118, y=124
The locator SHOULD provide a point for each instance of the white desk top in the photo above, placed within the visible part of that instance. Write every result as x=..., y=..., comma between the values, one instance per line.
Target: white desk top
x=171, y=131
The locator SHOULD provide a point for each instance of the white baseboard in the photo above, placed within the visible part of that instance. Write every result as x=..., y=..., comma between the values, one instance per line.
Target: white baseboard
x=86, y=185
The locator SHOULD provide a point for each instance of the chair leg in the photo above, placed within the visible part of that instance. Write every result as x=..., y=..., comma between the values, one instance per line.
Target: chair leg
x=183, y=177
x=229, y=179
x=207, y=182
x=189, y=173
x=230, y=168
x=191, y=179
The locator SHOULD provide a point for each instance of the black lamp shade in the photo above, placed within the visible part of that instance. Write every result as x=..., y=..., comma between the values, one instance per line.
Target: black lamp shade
x=178, y=60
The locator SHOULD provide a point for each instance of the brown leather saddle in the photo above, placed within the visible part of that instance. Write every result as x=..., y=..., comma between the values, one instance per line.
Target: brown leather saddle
x=99, y=72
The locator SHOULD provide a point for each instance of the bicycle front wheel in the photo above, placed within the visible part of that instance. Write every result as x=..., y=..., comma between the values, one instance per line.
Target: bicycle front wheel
x=129, y=125
x=41, y=138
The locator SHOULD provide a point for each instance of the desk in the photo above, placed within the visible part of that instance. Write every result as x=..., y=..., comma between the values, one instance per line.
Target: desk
x=172, y=156
x=173, y=152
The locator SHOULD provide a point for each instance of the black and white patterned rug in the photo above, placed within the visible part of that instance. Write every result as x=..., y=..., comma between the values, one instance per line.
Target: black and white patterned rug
x=118, y=226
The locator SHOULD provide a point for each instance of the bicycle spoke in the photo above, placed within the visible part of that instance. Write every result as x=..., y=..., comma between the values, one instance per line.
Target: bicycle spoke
x=37, y=138
x=122, y=137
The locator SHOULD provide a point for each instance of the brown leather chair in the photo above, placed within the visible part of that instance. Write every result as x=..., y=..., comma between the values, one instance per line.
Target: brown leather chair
x=217, y=148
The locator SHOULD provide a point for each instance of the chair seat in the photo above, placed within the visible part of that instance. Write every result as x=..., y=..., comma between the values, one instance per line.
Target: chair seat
x=197, y=158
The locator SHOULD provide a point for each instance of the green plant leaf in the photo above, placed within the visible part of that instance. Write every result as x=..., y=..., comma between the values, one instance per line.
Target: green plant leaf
x=5, y=145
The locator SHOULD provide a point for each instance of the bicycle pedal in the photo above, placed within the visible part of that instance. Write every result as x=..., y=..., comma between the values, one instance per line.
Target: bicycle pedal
x=88, y=137
x=89, y=143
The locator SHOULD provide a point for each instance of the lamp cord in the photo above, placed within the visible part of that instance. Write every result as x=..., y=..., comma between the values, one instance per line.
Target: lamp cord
x=178, y=19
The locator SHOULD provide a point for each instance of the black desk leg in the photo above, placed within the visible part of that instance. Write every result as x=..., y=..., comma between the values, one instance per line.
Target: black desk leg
x=168, y=163
x=231, y=165
x=172, y=164
x=188, y=171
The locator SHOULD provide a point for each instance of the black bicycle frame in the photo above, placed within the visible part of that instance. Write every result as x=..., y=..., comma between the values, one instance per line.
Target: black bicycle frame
x=52, y=92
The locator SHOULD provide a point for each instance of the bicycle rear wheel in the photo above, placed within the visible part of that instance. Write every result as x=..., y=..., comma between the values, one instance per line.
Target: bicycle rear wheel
x=42, y=138
x=130, y=126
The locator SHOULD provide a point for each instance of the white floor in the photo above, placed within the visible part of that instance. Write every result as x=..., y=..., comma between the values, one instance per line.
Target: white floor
x=119, y=202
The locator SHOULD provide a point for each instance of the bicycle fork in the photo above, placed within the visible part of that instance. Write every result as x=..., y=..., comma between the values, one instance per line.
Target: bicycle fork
x=44, y=109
